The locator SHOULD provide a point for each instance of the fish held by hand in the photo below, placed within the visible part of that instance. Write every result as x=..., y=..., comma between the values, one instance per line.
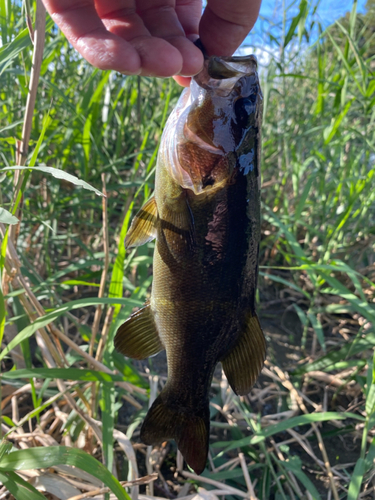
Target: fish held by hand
x=205, y=216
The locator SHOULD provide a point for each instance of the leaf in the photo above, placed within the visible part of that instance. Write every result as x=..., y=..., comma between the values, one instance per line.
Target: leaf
x=46, y=122
x=294, y=465
x=370, y=393
x=356, y=481
x=11, y=50
x=295, y=22
x=326, y=362
x=292, y=242
x=5, y=448
x=304, y=195
x=289, y=284
x=59, y=174
x=107, y=406
x=79, y=282
x=371, y=88
x=362, y=307
x=370, y=456
x=330, y=131
x=7, y=218
x=286, y=424
x=318, y=329
x=116, y=285
x=69, y=306
x=54, y=485
x=19, y=488
x=42, y=458
x=64, y=374
x=301, y=314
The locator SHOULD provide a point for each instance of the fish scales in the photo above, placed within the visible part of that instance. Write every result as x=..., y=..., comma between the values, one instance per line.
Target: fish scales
x=205, y=216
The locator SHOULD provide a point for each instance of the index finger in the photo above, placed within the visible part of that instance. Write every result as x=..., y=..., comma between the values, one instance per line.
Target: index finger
x=225, y=25
x=80, y=23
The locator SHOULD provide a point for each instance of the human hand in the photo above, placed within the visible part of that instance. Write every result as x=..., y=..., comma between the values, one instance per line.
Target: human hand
x=224, y=26
x=153, y=37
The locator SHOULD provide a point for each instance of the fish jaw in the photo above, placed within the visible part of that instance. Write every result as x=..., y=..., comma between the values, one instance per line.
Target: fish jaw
x=208, y=135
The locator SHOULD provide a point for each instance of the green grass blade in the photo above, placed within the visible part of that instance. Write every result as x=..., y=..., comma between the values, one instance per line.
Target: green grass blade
x=69, y=306
x=287, y=424
x=356, y=480
x=289, y=284
x=64, y=373
x=318, y=329
x=331, y=131
x=303, y=198
x=107, y=406
x=10, y=51
x=116, y=286
x=18, y=487
x=5, y=448
x=60, y=174
x=294, y=465
x=295, y=22
x=341, y=290
x=351, y=348
x=41, y=458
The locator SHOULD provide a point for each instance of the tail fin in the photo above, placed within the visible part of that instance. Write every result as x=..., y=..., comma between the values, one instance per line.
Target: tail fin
x=191, y=432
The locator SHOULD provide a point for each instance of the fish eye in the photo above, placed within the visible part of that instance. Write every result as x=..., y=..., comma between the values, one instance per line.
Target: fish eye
x=244, y=108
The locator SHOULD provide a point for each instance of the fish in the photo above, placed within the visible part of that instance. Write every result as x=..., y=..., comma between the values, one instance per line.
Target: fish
x=205, y=218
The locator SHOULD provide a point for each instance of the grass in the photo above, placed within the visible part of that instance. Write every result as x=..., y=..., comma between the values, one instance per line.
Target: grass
x=68, y=399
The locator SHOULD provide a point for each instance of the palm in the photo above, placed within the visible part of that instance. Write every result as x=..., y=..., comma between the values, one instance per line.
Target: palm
x=152, y=37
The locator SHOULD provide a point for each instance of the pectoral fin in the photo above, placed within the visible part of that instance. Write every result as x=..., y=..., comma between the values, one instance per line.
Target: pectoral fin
x=177, y=227
x=143, y=226
x=244, y=363
x=138, y=337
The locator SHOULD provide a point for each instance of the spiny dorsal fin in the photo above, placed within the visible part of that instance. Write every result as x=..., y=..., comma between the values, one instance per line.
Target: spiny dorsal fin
x=138, y=337
x=143, y=226
x=244, y=363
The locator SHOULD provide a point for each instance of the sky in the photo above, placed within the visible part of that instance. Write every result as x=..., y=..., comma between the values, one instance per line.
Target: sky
x=329, y=10
x=271, y=16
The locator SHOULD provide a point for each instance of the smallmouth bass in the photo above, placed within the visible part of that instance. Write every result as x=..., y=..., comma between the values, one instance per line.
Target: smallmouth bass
x=205, y=216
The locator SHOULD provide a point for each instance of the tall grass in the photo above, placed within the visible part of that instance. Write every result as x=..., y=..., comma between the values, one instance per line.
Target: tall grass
x=67, y=281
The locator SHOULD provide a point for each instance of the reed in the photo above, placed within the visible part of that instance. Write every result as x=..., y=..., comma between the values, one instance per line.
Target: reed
x=306, y=429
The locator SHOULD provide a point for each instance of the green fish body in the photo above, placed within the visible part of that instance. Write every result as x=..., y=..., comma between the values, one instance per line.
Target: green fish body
x=205, y=216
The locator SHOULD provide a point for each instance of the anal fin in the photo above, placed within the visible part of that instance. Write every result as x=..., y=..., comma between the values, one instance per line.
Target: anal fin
x=138, y=337
x=244, y=362
x=143, y=226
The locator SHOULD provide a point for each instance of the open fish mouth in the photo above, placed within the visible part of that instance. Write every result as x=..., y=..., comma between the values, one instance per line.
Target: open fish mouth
x=207, y=124
x=230, y=67
x=220, y=74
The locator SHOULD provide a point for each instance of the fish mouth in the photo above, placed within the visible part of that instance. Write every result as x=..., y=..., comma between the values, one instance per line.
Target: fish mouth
x=220, y=74
x=221, y=68
x=199, y=134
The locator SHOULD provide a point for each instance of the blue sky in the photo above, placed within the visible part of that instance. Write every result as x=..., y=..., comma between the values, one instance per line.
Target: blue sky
x=270, y=18
x=329, y=10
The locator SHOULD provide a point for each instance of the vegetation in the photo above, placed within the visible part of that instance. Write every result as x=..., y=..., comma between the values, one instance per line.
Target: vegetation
x=306, y=431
